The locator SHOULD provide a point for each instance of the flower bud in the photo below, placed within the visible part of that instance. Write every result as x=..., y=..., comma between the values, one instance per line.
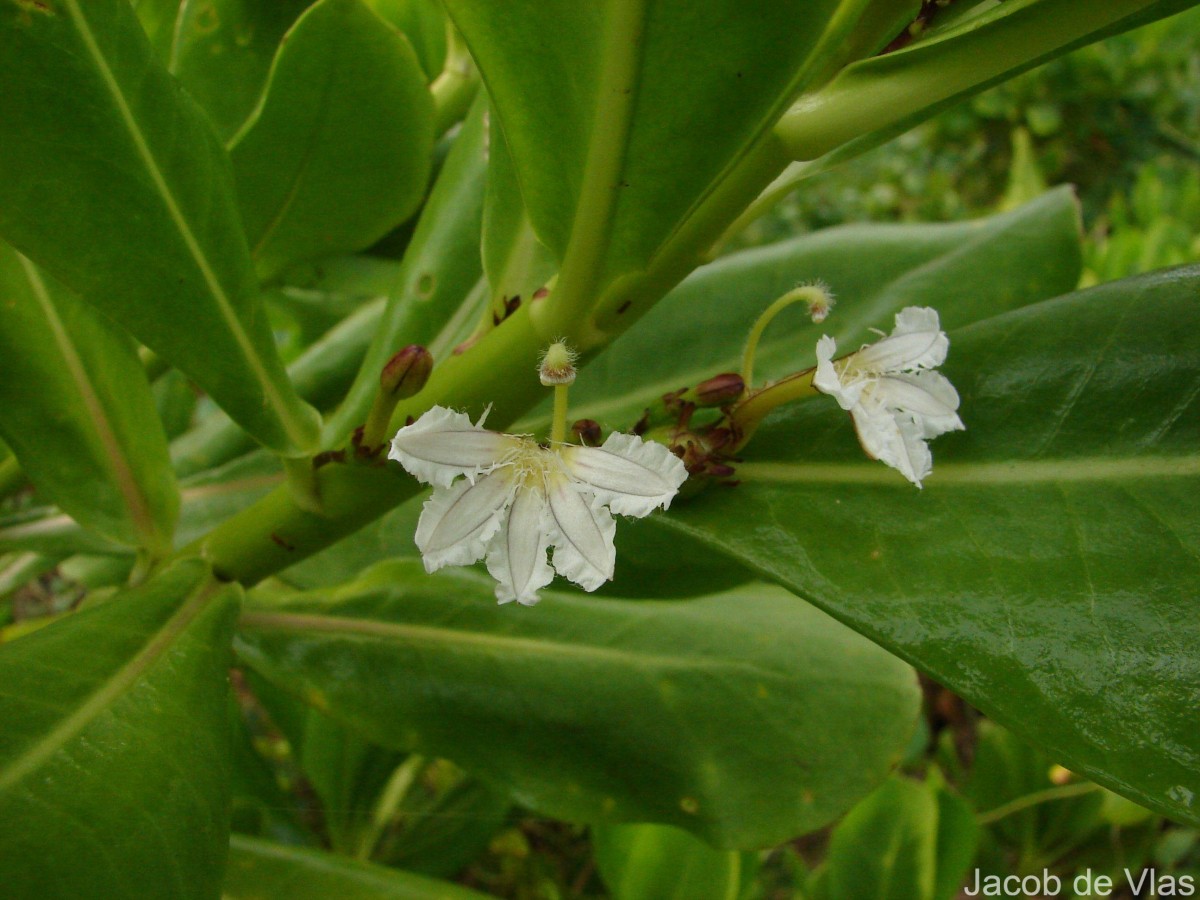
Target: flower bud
x=587, y=432
x=718, y=390
x=557, y=365
x=406, y=373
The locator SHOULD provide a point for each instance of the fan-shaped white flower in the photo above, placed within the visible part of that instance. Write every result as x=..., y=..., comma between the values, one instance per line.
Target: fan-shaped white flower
x=890, y=389
x=510, y=499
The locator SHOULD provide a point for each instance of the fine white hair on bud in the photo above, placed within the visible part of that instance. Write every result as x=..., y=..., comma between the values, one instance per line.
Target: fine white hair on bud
x=557, y=365
x=820, y=300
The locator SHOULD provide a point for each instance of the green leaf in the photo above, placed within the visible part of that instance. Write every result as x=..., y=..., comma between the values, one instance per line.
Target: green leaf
x=559, y=705
x=116, y=184
x=259, y=868
x=339, y=151
x=439, y=291
x=886, y=847
x=876, y=99
x=700, y=328
x=1007, y=770
x=114, y=759
x=658, y=862
x=221, y=52
x=207, y=499
x=77, y=411
x=423, y=23
x=515, y=261
x=646, y=104
x=1047, y=571
x=324, y=371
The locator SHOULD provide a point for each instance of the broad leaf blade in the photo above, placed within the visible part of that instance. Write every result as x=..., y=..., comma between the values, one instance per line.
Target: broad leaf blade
x=221, y=52
x=339, y=151
x=646, y=105
x=259, y=868
x=1048, y=570
x=76, y=409
x=604, y=710
x=116, y=184
x=114, y=759
x=659, y=862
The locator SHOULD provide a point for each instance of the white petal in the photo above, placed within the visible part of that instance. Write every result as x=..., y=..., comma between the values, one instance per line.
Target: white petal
x=904, y=352
x=516, y=556
x=582, y=535
x=828, y=380
x=630, y=476
x=895, y=441
x=443, y=444
x=913, y=319
x=457, y=522
x=928, y=396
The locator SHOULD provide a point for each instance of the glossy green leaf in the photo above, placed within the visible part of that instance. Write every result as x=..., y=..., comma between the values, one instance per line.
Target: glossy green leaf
x=339, y=151
x=659, y=862
x=115, y=183
x=698, y=330
x=259, y=868
x=423, y=23
x=324, y=371
x=515, y=261
x=560, y=704
x=878, y=98
x=221, y=52
x=207, y=499
x=646, y=106
x=439, y=293
x=76, y=409
x=886, y=847
x=114, y=758
x=1047, y=572
x=1005, y=770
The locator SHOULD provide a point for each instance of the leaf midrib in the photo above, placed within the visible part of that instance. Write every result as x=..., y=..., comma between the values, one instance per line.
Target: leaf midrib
x=1078, y=469
x=111, y=689
x=216, y=291
x=123, y=477
x=520, y=647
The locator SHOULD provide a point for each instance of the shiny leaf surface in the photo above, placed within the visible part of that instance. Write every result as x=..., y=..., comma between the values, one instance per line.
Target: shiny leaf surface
x=339, y=151
x=1047, y=572
x=600, y=710
x=132, y=207
x=76, y=408
x=114, y=758
x=259, y=868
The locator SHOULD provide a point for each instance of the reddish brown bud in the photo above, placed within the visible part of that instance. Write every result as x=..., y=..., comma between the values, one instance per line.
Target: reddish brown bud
x=406, y=373
x=718, y=390
x=587, y=431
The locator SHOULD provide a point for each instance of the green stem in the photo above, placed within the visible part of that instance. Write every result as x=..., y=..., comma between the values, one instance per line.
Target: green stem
x=565, y=315
x=456, y=85
x=1064, y=792
x=302, y=482
x=276, y=531
x=746, y=415
x=558, y=425
x=805, y=293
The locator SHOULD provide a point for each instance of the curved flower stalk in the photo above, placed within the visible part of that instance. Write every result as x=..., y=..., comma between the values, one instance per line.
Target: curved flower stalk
x=890, y=390
x=510, y=499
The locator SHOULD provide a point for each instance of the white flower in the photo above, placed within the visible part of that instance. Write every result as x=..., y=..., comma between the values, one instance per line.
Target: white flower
x=896, y=399
x=509, y=499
